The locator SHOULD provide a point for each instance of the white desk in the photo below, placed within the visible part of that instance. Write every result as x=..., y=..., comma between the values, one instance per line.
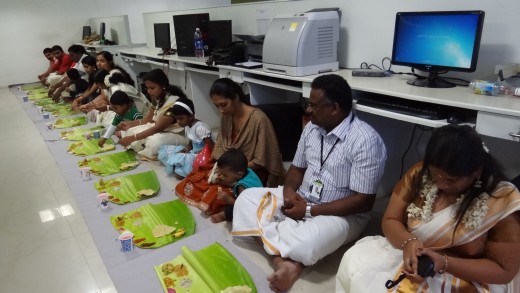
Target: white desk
x=495, y=116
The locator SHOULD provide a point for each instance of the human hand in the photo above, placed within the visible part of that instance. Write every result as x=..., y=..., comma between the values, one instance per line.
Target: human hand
x=101, y=142
x=125, y=125
x=118, y=134
x=411, y=251
x=439, y=260
x=125, y=141
x=84, y=108
x=294, y=205
x=75, y=104
x=56, y=96
x=51, y=91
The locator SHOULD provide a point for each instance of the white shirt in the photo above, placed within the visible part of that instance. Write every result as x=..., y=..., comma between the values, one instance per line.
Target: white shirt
x=355, y=164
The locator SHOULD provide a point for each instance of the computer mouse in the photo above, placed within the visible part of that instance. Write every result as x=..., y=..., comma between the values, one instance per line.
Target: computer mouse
x=456, y=119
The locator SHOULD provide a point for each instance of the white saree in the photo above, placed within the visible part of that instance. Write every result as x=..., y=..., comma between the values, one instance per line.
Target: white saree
x=373, y=260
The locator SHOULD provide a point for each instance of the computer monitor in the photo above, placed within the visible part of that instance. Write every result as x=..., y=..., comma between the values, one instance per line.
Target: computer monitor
x=102, y=30
x=185, y=25
x=220, y=34
x=436, y=42
x=162, y=37
x=86, y=32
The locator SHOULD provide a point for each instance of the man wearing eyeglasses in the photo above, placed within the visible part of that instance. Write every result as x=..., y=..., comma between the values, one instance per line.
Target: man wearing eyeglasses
x=329, y=188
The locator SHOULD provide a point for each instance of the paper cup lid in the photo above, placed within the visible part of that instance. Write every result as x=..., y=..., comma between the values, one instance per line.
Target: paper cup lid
x=126, y=235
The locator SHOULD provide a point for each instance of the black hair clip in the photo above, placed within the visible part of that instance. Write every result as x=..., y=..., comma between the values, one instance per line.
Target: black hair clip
x=425, y=268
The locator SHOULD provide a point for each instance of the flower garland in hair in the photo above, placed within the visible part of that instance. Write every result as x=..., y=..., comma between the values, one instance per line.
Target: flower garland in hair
x=472, y=218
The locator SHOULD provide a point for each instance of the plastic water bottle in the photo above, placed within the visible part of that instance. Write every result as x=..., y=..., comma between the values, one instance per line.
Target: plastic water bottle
x=199, y=44
x=484, y=87
x=508, y=89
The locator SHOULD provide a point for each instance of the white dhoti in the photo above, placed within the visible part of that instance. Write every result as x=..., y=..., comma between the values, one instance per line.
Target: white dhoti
x=257, y=212
x=54, y=78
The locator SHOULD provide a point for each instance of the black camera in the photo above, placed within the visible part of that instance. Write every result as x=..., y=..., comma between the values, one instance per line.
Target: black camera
x=425, y=268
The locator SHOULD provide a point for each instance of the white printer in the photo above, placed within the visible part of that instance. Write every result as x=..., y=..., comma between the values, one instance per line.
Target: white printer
x=302, y=43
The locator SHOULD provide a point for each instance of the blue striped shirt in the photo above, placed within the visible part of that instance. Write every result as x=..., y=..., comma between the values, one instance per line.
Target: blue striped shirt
x=355, y=164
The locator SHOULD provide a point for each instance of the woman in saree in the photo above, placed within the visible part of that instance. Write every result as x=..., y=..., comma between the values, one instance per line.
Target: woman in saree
x=242, y=127
x=158, y=127
x=452, y=207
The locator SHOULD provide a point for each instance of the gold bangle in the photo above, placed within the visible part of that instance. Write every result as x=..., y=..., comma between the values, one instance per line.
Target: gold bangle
x=408, y=240
x=445, y=267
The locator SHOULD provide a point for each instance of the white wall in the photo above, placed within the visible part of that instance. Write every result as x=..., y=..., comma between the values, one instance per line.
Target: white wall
x=27, y=26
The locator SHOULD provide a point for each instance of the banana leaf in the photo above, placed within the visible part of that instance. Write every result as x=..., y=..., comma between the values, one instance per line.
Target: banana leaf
x=30, y=87
x=111, y=164
x=43, y=102
x=69, y=122
x=78, y=133
x=211, y=269
x=143, y=220
x=89, y=147
x=130, y=188
x=39, y=97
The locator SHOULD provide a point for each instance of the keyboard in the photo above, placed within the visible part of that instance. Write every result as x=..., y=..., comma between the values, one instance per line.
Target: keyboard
x=403, y=106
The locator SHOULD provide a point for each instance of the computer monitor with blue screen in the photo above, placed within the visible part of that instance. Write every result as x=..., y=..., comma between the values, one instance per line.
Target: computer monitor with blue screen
x=436, y=42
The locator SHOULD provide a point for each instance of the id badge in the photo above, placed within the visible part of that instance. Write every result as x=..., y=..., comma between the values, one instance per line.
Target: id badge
x=316, y=188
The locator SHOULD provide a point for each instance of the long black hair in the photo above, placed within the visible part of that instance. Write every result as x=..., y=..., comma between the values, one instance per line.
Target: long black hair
x=228, y=89
x=91, y=61
x=459, y=151
x=159, y=77
x=110, y=58
x=180, y=110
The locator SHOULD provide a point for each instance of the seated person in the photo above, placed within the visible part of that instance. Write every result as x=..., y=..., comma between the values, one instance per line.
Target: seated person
x=77, y=85
x=178, y=160
x=47, y=52
x=242, y=127
x=234, y=173
x=329, y=188
x=89, y=64
x=104, y=60
x=453, y=207
x=76, y=53
x=63, y=63
x=125, y=110
x=159, y=126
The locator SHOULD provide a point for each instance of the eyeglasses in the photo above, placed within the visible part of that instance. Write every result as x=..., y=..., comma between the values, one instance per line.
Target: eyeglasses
x=314, y=107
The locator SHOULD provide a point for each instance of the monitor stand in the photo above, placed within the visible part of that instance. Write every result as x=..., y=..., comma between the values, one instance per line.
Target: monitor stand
x=433, y=81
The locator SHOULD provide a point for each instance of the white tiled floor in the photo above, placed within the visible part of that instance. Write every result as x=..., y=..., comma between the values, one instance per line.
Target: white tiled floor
x=45, y=245
x=57, y=255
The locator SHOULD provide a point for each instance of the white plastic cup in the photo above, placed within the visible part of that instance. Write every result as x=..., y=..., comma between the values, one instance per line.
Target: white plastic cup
x=103, y=200
x=85, y=173
x=25, y=98
x=40, y=109
x=127, y=241
x=96, y=134
x=19, y=88
x=49, y=125
x=46, y=115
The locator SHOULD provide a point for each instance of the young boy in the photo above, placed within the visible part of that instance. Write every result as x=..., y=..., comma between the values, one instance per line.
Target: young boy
x=77, y=87
x=233, y=173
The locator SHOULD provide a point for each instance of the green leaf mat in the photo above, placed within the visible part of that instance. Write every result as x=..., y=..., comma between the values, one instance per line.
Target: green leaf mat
x=125, y=189
x=90, y=147
x=144, y=219
x=32, y=87
x=78, y=133
x=43, y=102
x=69, y=122
x=110, y=164
x=210, y=269
x=58, y=109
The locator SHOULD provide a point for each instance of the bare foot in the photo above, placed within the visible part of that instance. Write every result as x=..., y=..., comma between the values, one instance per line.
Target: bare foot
x=218, y=217
x=286, y=273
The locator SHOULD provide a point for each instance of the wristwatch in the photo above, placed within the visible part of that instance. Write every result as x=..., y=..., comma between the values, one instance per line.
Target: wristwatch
x=308, y=211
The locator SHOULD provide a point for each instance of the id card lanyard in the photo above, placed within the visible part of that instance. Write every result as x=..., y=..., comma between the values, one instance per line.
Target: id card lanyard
x=317, y=185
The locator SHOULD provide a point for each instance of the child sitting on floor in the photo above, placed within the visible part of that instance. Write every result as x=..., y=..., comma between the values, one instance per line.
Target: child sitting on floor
x=177, y=159
x=78, y=85
x=234, y=173
x=125, y=110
